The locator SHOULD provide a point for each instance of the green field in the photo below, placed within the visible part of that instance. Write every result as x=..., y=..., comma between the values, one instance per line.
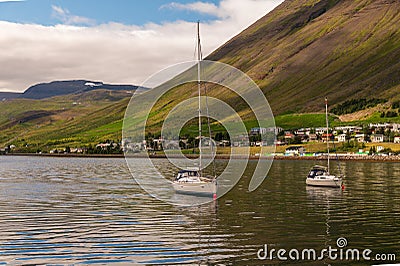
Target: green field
x=59, y=122
x=295, y=121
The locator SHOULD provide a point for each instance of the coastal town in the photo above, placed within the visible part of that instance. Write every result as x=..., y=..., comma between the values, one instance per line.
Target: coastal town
x=369, y=140
x=377, y=136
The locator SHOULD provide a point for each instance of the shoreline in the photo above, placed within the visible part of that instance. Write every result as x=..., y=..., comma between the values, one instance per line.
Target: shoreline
x=342, y=157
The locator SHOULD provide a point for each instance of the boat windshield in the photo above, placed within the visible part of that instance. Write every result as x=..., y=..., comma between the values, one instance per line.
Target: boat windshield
x=187, y=173
x=317, y=172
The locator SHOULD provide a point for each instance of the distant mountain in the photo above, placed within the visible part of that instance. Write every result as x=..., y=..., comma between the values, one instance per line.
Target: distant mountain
x=305, y=50
x=9, y=95
x=60, y=88
x=57, y=88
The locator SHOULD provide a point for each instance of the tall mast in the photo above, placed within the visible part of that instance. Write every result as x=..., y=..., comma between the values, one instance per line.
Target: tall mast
x=327, y=128
x=199, y=87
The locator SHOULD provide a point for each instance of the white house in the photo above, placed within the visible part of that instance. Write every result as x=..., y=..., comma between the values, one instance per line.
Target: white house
x=379, y=148
x=303, y=131
x=263, y=130
x=396, y=139
x=396, y=127
x=279, y=143
x=261, y=143
x=295, y=150
x=223, y=143
x=312, y=137
x=103, y=145
x=320, y=130
x=350, y=129
x=386, y=126
x=377, y=138
x=341, y=138
x=258, y=131
x=360, y=137
x=379, y=125
x=275, y=130
x=76, y=150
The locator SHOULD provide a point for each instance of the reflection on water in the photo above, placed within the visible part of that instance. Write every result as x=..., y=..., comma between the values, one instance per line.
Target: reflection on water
x=90, y=211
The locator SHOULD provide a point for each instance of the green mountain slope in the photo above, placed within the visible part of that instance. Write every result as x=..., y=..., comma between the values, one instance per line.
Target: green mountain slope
x=305, y=50
x=74, y=120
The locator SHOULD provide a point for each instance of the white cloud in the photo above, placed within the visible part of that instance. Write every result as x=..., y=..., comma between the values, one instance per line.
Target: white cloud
x=200, y=7
x=238, y=12
x=2, y=1
x=113, y=53
x=67, y=18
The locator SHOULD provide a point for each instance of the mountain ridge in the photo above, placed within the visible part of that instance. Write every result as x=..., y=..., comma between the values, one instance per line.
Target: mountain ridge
x=65, y=87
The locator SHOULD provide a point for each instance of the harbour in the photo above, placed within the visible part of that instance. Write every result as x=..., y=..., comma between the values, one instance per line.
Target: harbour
x=91, y=211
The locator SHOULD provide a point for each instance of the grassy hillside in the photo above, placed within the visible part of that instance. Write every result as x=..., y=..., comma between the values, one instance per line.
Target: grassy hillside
x=305, y=50
x=74, y=120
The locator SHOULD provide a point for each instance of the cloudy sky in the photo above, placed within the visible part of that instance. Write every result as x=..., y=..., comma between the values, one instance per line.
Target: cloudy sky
x=114, y=41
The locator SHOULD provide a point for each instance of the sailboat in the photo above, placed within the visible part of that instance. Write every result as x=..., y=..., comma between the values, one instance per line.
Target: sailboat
x=191, y=180
x=320, y=175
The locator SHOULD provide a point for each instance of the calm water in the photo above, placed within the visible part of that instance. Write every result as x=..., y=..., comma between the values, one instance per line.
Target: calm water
x=90, y=211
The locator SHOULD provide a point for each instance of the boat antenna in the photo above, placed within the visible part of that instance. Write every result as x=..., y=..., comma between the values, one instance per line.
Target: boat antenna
x=199, y=87
x=327, y=128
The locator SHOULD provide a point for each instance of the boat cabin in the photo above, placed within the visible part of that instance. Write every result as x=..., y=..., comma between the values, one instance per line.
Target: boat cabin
x=188, y=175
x=317, y=171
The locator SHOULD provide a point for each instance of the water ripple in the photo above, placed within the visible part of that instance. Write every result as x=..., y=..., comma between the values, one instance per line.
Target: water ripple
x=90, y=211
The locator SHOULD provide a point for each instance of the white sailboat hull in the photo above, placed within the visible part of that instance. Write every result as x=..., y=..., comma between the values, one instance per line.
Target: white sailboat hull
x=324, y=181
x=196, y=188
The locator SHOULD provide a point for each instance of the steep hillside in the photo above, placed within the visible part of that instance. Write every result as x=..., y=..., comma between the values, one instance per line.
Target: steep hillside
x=305, y=50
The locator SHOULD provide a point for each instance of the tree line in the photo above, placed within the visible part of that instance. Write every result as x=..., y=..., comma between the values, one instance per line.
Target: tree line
x=354, y=105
